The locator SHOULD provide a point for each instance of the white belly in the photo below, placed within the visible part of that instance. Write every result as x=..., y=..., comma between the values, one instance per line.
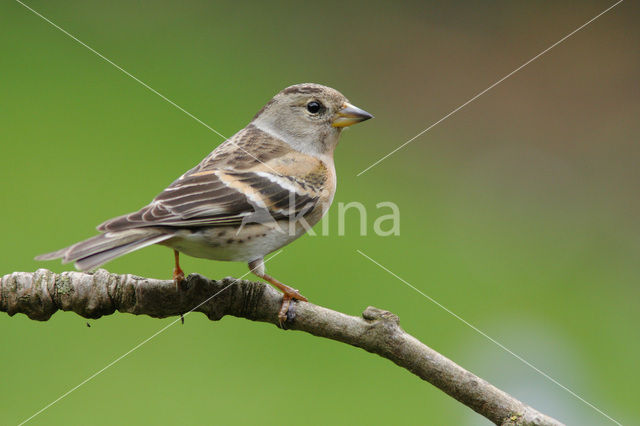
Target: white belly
x=226, y=243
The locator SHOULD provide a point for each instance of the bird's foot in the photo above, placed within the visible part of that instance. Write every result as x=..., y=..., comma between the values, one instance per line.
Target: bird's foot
x=289, y=294
x=178, y=277
x=284, y=309
x=257, y=267
x=292, y=293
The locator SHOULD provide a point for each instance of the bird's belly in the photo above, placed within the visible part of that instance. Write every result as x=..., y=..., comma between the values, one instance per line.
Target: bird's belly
x=227, y=243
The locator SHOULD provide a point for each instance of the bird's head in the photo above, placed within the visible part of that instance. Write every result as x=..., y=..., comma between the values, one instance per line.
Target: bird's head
x=309, y=117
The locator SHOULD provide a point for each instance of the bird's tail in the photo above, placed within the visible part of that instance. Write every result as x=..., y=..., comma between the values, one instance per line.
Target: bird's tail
x=95, y=251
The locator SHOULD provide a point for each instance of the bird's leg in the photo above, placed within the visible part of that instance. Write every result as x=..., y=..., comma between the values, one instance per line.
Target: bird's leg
x=178, y=274
x=257, y=267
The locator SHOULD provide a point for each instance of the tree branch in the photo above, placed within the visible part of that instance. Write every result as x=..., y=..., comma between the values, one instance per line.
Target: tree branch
x=39, y=295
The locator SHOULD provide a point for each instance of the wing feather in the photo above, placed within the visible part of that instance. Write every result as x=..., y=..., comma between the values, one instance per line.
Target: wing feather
x=232, y=183
x=215, y=202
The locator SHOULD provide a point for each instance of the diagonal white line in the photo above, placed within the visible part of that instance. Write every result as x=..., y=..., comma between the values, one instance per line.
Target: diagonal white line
x=137, y=346
x=123, y=70
x=491, y=87
x=142, y=83
x=492, y=340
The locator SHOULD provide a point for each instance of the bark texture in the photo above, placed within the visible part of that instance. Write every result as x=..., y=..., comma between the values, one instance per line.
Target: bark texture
x=40, y=294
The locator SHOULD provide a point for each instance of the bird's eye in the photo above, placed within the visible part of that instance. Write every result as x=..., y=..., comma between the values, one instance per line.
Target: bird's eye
x=313, y=107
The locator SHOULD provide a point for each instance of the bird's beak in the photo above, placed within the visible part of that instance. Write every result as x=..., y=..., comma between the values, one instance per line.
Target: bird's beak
x=350, y=114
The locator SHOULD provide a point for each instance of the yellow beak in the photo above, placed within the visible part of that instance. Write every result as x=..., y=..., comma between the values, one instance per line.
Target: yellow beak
x=350, y=114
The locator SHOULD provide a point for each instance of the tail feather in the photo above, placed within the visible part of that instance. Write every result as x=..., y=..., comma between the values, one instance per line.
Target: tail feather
x=107, y=241
x=94, y=260
x=53, y=255
x=102, y=248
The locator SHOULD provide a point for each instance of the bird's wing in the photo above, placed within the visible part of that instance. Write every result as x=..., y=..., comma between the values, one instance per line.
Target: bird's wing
x=251, y=176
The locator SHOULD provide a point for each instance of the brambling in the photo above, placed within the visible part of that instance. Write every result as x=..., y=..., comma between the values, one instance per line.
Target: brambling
x=255, y=193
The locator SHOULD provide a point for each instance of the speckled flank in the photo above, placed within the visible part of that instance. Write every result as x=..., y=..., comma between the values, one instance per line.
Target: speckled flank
x=245, y=244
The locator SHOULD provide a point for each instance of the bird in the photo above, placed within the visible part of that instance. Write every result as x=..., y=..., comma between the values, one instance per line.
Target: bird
x=256, y=192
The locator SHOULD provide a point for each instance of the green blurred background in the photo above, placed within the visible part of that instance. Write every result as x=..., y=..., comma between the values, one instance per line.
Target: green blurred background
x=520, y=213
